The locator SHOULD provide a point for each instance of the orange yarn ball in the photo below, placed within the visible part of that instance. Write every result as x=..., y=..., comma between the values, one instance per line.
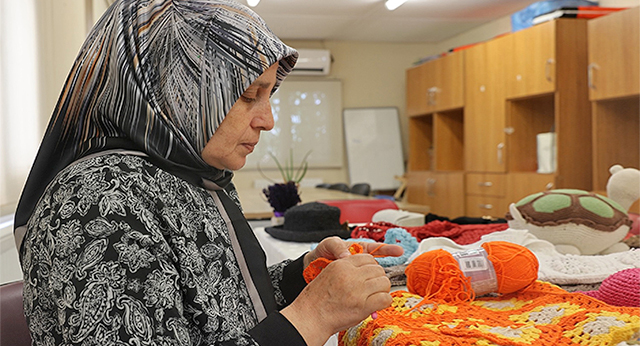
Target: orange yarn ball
x=516, y=266
x=437, y=275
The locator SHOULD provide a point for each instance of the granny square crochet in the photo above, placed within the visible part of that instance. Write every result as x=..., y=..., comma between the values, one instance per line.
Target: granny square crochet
x=539, y=315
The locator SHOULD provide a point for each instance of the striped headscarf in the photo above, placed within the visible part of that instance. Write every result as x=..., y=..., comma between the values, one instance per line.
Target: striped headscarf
x=157, y=76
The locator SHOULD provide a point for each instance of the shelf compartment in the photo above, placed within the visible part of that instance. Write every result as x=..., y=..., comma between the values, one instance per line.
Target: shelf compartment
x=616, y=137
x=420, y=143
x=449, y=140
x=526, y=119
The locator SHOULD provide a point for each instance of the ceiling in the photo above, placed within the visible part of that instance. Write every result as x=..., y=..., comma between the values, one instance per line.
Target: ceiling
x=417, y=21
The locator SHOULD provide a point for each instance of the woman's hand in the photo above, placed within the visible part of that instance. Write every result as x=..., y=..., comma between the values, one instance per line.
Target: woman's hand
x=335, y=248
x=346, y=291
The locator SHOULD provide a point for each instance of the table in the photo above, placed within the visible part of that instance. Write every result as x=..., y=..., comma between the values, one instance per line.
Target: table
x=256, y=206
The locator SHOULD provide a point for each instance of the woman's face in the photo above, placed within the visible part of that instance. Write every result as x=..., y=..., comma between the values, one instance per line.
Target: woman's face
x=239, y=132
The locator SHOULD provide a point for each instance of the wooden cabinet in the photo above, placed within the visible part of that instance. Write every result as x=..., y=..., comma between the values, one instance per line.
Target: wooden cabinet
x=435, y=176
x=534, y=61
x=515, y=87
x=443, y=192
x=484, y=108
x=520, y=185
x=614, y=55
x=614, y=71
x=435, y=85
x=560, y=106
x=436, y=135
x=485, y=194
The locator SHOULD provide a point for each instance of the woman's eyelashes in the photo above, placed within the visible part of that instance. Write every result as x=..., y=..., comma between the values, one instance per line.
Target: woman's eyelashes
x=248, y=99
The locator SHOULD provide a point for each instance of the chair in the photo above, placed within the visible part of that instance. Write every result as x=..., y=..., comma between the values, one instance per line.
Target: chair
x=340, y=187
x=361, y=189
x=13, y=325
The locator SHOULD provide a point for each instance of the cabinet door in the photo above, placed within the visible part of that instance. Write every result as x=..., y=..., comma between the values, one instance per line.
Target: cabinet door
x=484, y=112
x=417, y=89
x=534, y=62
x=614, y=55
x=435, y=85
x=520, y=185
x=447, y=92
x=443, y=192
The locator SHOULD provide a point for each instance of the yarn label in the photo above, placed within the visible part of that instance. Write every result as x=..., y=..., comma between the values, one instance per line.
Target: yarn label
x=476, y=266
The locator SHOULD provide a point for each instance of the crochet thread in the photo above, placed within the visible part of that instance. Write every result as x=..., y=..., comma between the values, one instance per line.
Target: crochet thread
x=396, y=236
x=317, y=265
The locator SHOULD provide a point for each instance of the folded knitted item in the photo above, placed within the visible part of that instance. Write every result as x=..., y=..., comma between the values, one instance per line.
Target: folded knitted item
x=396, y=275
x=460, y=234
x=539, y=315
x=553, y=267
x=464, y=220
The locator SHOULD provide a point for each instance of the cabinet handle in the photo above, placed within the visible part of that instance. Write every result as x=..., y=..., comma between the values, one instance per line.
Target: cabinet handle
x=431, y=95
x=485, y=206
x=549, y=186
x=592, y=66
x=547, y=69
x=431, y=187
x=485, y=184
x=499, y=153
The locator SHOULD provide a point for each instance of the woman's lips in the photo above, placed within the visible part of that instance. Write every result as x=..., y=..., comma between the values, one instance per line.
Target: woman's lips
x=249, y=146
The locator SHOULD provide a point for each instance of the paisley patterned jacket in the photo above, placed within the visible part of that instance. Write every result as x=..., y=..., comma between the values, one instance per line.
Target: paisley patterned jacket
x=120, y=252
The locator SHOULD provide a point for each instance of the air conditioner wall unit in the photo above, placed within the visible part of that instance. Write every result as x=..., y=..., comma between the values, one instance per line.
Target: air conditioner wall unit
x=312, y=62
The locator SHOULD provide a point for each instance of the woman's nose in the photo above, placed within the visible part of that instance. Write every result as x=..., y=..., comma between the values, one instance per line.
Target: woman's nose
x=264, y=119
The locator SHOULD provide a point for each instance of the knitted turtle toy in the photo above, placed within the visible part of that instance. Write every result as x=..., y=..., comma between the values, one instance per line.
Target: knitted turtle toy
x=575, y=221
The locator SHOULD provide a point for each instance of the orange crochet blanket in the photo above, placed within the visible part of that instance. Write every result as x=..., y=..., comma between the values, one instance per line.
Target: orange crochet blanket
x=541, y=314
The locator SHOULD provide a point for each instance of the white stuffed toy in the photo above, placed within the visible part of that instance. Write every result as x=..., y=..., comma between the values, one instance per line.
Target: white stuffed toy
x=580, y=222
x=624, y=185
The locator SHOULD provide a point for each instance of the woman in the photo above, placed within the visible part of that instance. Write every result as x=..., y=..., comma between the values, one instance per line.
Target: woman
x=129, y=228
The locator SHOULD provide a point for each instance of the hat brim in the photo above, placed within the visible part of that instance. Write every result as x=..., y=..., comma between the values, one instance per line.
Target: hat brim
x=279, y=232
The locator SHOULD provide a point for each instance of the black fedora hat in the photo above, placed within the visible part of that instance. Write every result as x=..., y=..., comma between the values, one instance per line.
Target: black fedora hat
x=310, y=222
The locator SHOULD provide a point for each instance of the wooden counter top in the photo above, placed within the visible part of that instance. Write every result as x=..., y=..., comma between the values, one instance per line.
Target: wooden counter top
x=256, y=207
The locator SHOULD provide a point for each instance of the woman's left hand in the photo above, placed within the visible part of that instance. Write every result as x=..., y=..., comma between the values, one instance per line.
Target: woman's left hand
x=333, y=248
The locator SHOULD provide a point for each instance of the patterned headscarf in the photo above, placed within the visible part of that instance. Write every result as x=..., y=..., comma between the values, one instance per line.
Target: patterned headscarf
x=157, y=76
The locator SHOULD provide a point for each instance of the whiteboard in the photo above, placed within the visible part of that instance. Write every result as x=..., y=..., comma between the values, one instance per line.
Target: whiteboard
x=307, y=119
x=374, y=146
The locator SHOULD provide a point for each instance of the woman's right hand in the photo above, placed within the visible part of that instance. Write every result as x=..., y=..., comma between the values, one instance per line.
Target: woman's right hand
x=343, y=294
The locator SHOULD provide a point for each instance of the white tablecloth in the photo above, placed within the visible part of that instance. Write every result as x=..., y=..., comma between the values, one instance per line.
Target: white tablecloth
x=278, y=250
